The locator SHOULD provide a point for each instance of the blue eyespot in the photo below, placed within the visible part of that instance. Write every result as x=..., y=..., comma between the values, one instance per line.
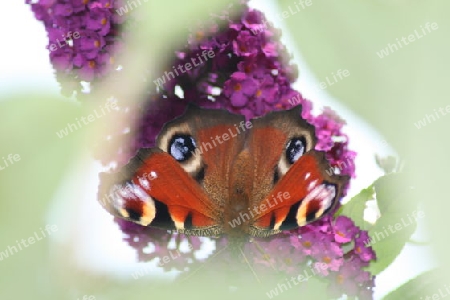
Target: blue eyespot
x=295, y=148
x=182, y=147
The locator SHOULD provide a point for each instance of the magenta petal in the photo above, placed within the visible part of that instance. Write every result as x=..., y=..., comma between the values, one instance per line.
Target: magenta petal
x=249, y=88
x=63, y=10
x=238, y=100
x=270, y=49
x=239, y=76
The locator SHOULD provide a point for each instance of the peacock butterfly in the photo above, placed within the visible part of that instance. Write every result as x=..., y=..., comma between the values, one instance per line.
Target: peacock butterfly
x=213, y=173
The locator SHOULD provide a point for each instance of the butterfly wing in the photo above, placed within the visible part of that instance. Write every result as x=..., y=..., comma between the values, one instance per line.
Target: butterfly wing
x=153, y=190
x=304, y=194
x=291, y=186
x=180, y=184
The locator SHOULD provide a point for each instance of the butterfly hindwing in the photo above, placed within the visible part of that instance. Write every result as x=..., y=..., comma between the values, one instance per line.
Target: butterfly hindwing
x=153, y=190
x=304, y=194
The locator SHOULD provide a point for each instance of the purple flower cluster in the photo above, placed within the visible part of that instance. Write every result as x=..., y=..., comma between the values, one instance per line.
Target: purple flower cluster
x=249, y=73
x=142, y=237
x=83, y=36
x=324, y=242
x=331, y=139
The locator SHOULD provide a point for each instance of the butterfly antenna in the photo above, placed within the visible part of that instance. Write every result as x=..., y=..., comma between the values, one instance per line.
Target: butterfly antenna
x=203, y=265
x=250, y=267
x=265, y=255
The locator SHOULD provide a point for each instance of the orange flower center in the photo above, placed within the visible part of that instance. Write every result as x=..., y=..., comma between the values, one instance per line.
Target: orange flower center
x=258, y=93
x=358, y=250
x=103, y=21
x=91, y=64
x=237, y=87
x=307, y=244
x=85, y=1
x=327, y=259
x=340, y=279
x=97, y=43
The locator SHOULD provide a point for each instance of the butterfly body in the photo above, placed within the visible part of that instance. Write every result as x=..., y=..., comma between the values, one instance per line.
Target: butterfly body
x=212, y=173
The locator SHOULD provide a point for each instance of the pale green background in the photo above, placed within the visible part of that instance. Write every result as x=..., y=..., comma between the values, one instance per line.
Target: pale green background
x=390, y=93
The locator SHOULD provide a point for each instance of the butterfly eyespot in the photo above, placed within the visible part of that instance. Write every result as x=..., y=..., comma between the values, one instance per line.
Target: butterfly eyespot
x=181, y=147
x=295, y=148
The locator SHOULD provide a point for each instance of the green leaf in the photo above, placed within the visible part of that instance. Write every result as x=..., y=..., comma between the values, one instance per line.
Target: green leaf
x=397, y=222
x=388, y=239
x=29, y=124
x=393, y=193
x=419, y=287
x=354, y=209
